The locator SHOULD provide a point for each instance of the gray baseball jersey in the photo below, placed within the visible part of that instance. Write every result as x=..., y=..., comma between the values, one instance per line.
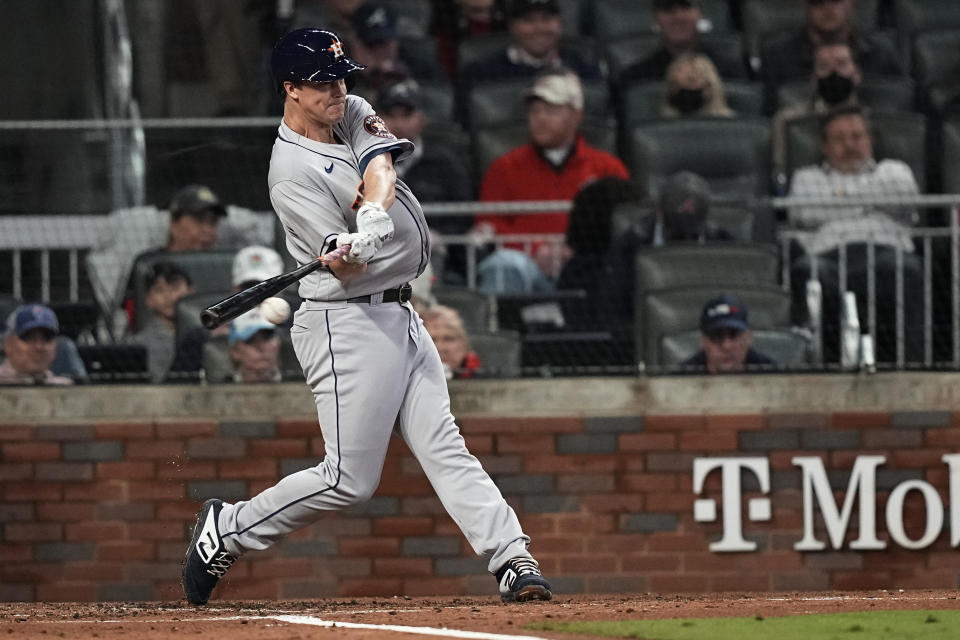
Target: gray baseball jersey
x=370, y=365
x=315, y=189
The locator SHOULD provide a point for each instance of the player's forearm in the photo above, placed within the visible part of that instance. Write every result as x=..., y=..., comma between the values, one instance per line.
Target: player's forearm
x=379, y=181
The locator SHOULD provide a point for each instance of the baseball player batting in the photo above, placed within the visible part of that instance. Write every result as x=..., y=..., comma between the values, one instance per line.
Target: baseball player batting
x=363, y=349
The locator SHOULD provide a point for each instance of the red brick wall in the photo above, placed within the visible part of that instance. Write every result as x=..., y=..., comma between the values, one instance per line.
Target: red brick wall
x=102, y=511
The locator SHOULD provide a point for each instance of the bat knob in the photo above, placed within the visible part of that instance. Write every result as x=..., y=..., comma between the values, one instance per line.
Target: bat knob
x=209, y=319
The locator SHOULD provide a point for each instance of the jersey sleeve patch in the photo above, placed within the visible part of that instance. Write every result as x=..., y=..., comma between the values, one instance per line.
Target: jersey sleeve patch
x=374, y=125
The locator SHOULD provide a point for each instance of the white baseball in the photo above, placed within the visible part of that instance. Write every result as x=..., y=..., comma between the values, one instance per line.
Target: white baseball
x=275, y=310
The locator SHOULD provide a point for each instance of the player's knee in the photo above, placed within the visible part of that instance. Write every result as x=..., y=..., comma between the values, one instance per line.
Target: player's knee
x=358, y=489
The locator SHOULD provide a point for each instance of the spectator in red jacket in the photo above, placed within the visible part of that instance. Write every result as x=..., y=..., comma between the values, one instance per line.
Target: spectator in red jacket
x=553, y=165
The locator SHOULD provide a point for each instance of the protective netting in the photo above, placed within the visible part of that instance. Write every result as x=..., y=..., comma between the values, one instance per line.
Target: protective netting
x=609, y=276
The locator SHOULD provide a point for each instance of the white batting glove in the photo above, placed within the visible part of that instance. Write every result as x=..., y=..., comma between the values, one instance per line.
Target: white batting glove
x=373, y=219
x=362, y=246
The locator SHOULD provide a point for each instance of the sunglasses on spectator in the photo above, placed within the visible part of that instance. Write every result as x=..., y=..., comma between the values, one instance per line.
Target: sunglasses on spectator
x=721, y=335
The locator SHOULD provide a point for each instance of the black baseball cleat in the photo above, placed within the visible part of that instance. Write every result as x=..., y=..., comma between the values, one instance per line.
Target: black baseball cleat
x=206, y=560
x=520, y=581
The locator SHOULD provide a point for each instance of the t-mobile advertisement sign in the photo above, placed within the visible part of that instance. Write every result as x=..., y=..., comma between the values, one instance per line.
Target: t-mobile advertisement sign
x=861, y=491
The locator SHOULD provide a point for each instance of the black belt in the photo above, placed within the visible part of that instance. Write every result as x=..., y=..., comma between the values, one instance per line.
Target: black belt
x=400, y=294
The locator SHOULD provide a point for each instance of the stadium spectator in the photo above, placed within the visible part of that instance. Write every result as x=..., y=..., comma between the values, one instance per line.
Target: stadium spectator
x=553, y=165
x=849, y=169
x=692, y=88
x=254, y=348
x=434, y=170
x=683, y=211
x=29, y=346
x=166, y=283
x=833, y=83
x=445, y=326
x=376, y=46
x=535, y=28
x=725, y=340
x=195, y=216
x=67, y=361
x=789, y=56
x=334, y=15
x=678, y=22
x=454, y=21
x=231, y=47
x=602, y=259
x=251, y=265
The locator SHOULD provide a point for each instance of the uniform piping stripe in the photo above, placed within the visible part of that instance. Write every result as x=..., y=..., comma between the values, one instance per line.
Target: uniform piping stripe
x=424, y=249
x=336, y=396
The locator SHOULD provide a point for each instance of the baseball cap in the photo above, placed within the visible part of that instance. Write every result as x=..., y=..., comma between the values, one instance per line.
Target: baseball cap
x=559, y=88
x=32, y=316
x=685, y=193
x=195, y=199
x=400, y=94
x=724, y=311
x=520, y=8
x=243, y=327
x=255, y=263
x=375, y=23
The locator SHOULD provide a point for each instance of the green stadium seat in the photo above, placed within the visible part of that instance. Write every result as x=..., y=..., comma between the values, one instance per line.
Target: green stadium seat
x=879, y=94
x=915, y=16
x=475, y=307
x=950, y=166
x=936, y=63
x=732, y=154
x=499, y=353
x=717, y=264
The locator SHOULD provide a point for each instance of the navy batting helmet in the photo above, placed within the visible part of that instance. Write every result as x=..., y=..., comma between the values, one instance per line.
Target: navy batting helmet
x=310, y=55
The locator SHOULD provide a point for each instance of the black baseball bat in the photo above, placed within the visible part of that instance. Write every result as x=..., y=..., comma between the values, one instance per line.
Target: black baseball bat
x=242, y=301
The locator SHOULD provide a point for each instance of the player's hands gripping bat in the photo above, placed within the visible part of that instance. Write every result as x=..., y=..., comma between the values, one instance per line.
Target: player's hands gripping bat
x=241, y=302
x=374, y=227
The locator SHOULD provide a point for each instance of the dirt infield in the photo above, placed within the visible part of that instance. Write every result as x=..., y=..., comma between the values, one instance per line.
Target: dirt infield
x=355, y=619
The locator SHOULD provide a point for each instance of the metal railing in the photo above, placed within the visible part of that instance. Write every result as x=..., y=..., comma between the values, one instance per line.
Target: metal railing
x=77, y=234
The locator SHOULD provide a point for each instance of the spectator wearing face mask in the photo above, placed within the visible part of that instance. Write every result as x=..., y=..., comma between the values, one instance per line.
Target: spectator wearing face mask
x=693, y=88
x=789, y=56
x=834, y=83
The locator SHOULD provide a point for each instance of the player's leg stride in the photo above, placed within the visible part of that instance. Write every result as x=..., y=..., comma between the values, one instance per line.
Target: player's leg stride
x=520, y=580
x=206, y=560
